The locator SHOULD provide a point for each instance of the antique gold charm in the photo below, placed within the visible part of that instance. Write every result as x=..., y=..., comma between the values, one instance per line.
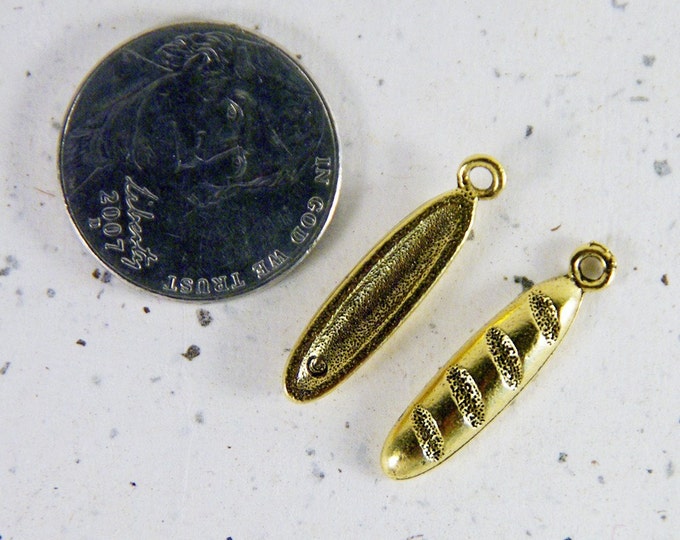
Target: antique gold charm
x=492, y=368
x=386, y=285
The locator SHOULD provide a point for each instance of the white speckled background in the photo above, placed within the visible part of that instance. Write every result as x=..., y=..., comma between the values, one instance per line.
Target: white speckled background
x=122, y=437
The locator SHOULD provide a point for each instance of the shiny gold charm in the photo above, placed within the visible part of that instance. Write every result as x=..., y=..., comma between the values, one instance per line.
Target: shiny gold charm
x=492, y=368
x=386, y=285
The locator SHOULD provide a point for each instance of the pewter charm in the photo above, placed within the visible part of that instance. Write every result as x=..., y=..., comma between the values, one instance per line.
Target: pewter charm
x=386, y=286
x=492, y=368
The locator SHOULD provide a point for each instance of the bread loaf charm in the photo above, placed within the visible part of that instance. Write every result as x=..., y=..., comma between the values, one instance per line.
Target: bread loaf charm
x=492, y=368
x=386, y=285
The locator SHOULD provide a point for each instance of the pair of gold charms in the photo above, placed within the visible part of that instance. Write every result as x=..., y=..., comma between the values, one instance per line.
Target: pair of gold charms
x=486, y=373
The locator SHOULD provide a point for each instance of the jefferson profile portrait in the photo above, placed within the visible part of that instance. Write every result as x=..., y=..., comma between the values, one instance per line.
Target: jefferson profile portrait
x=209, y=113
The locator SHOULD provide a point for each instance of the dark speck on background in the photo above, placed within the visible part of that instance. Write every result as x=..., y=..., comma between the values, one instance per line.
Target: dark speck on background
x=662, y=168
x=316, y=471
x=506, y=217
x=562, y=457
x=5, y=367
x=12, y=264
x=529, y=131
x=104, y=277
x=199, y=418
x=133, y=484
x=525, y=282
x=146, y=309
x=648, y=60
x=664, y=280
x=81, y=342
x=192, y=352
x=204, y=317
x=51, y=293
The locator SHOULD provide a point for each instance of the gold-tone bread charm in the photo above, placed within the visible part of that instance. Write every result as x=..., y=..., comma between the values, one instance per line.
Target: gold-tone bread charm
x=492, y=368
x=386, y=285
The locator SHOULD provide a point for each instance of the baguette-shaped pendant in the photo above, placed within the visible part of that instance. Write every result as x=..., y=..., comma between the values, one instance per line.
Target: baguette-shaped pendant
x=492, y=368
x=386, y=285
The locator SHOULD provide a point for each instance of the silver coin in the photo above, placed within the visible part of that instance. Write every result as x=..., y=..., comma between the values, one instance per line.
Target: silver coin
x=199, y=161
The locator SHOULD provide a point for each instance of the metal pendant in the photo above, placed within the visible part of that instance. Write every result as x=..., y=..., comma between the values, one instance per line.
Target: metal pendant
x=492, y=368
x=386, y=285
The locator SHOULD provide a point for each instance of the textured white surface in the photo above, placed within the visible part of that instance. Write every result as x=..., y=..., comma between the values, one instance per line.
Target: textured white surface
x=124, y=438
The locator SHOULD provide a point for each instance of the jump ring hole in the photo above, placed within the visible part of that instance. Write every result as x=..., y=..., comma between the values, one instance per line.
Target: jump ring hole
x=592, y=266
x=491, y=167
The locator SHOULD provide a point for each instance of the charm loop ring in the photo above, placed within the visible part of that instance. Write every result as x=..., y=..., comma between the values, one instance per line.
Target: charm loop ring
x=602, y=266
x=485, y=162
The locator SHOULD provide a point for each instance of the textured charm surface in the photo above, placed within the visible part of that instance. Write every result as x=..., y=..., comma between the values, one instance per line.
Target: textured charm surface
x=199, y=161
x=545, y=315
x=491, y=368
x=505, y=357
x=385, y=287
x=466, y=395
x=428, y=434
